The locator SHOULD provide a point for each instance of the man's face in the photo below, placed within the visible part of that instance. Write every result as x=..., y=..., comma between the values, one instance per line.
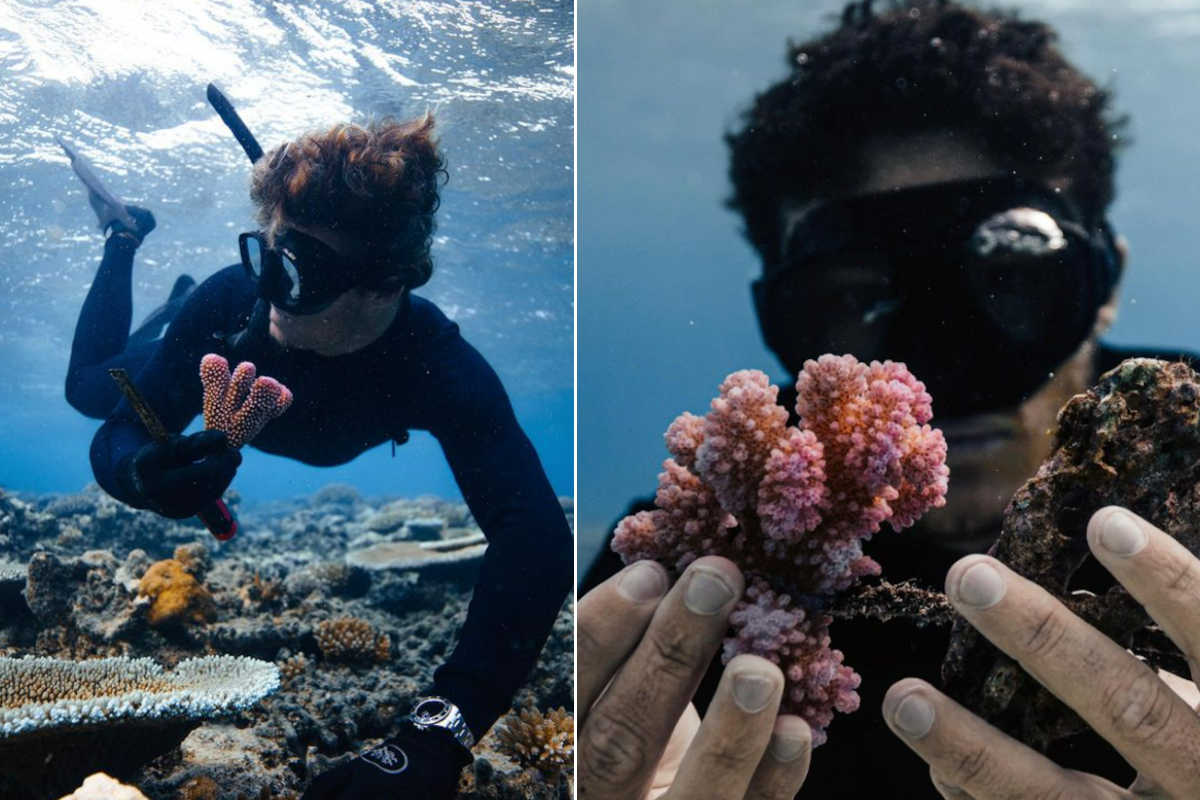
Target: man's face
x=990, y=453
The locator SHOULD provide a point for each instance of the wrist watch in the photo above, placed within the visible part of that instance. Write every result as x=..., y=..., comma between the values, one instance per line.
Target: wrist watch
x=438, y=712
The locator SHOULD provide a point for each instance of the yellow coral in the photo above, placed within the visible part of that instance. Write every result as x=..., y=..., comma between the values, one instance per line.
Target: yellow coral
x=352, y=639
x=545, y=742
x=176, y=594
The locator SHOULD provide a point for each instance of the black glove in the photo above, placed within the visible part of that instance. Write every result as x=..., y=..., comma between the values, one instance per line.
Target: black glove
x=416, y=765
x=182, y=475
x=143, y=219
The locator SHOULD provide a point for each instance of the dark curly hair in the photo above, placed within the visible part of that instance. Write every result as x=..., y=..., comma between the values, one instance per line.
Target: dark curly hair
x=378, y=184
x=921, y=65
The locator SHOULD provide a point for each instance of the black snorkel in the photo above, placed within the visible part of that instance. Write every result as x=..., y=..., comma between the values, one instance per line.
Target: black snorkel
x=228, y=114
x=230, y=117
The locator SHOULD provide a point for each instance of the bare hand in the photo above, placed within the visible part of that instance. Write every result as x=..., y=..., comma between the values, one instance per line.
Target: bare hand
x=1120, y=697
x=641, y=656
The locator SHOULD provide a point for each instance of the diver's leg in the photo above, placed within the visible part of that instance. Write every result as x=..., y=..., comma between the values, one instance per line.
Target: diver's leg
x=157, y=320
x=102, y=331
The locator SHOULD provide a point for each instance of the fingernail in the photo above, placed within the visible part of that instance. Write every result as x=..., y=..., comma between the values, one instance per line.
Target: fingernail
x=752, y=692
x=642, y=582
x=1121, y=534
x=914, y=716
x=981, y=586
x=706, y=592
x=786, y=748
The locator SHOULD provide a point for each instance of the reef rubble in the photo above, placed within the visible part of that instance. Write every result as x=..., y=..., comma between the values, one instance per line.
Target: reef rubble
x=1132, y=440
x=334, y=568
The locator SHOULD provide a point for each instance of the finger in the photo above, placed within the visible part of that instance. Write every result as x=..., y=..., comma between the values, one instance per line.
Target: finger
x=947, y=791
x=969, y=755
x=1157, y=570
x=783, y=767
x=1117, y=695
x=611, y=619
x=629, y=726
x=199, y=445
x=734, y=733
x=209, y=478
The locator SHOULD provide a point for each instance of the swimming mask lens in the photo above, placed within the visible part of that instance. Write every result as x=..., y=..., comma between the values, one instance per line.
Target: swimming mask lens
x=982, y=287
x=300, y=275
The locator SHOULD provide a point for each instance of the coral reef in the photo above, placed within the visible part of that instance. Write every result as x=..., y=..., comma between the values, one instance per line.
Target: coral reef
x=62, y=720
x=175, y=594
x=352, y=639
x=239, y=404
x=270, y=589
x=545, y=742
x=792, y=505
x=1132, y=440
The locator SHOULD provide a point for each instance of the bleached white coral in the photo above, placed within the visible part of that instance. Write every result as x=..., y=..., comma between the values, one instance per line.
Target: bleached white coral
x=39, y=694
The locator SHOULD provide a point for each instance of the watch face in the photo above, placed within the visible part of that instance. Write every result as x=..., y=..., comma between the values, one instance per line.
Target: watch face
x=431, y=711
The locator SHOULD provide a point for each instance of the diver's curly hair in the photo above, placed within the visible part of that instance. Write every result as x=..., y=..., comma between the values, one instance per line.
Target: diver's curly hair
x=917, y=65
x=378, y=183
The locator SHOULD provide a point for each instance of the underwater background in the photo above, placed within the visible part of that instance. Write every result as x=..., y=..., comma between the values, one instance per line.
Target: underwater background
x=124, y=83
x=665, y=310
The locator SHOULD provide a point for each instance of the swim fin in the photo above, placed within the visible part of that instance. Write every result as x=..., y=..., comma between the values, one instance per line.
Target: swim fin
x=155, y=323
x=108, y=206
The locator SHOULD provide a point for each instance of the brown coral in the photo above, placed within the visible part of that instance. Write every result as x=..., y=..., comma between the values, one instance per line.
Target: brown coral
x=175, y=593
x=352, y=639
x=293, y=667
x=545, y=742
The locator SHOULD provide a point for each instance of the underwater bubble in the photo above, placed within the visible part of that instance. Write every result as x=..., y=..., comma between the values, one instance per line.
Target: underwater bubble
x=936, y=43
x=801, y=59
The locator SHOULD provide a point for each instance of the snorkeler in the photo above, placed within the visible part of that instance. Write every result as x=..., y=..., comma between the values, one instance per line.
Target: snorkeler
x=928, y=184
x=323, y=300
x=102, y=338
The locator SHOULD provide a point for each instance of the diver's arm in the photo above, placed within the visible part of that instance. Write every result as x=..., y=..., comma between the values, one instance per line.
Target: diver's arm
x=170, y=384
x=527, y=569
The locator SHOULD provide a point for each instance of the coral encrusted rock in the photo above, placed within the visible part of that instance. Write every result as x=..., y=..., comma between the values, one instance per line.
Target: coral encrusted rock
x=62, y=720
x=545, y=742
x=1133, y=440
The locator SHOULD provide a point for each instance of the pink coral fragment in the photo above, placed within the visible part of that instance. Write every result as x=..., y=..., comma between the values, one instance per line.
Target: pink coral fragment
x=241, y=403
x=792, y=505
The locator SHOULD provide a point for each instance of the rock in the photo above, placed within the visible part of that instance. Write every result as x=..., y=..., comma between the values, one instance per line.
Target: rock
x=100, y=786
x=1133, y=440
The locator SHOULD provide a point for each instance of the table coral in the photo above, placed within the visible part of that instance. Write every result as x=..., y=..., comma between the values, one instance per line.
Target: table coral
x=1132, y=440
x=545, y=742
x=241, y=403
x=175, y=594
x=792, y=505
x=62, y=720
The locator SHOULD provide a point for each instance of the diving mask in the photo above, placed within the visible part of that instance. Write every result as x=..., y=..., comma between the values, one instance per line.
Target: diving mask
x=300, y=275
x=982, y=287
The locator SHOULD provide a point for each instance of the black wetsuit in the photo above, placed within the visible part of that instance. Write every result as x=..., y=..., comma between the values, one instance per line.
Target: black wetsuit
x=420, y=374
x=102, y=339
x=862, y=757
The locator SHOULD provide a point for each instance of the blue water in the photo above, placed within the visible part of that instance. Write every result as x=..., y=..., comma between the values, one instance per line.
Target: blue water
x=125, y=82
x=664, y=300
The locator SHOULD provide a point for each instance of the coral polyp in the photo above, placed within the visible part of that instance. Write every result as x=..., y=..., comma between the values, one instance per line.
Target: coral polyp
x=793, y=504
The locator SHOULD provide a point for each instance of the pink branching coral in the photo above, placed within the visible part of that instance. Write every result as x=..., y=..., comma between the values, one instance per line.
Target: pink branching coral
x=792, y=506
x=239, y=404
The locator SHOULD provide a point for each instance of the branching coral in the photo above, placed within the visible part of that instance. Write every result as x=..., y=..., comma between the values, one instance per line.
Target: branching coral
x=239, y=404
x=793, y=505
x=352, y=639
x=545, y=742
x=176, y=595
